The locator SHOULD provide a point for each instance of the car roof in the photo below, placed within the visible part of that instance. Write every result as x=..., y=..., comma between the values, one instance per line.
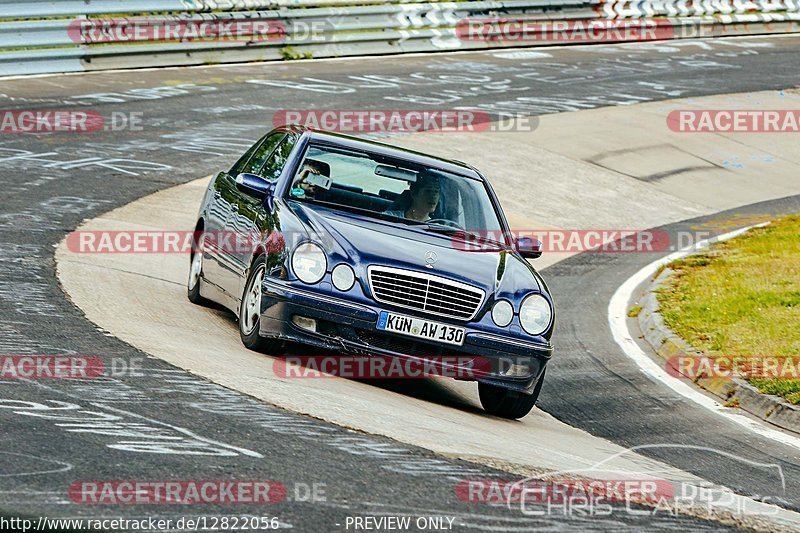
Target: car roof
x=360, y=144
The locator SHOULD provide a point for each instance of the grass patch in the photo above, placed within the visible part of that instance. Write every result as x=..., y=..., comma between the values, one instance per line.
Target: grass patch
x=634, y=311
x=742, y=299
x=289, y=53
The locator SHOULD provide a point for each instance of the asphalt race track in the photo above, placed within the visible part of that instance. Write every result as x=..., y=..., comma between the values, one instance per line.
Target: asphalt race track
x=162, y=423
x=590, y=362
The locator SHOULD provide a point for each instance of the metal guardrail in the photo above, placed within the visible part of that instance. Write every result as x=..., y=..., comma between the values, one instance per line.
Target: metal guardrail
x=71, y=36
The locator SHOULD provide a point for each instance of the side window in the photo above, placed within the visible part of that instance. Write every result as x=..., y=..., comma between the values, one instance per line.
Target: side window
x=261, y=155
x=236, y=169
x=273, y=167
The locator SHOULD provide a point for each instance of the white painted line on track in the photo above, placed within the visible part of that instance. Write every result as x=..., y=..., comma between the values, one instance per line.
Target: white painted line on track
x=617, y=321
x=243, y=451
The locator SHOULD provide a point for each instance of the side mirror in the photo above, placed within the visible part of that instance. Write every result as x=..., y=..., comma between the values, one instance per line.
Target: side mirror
x=528, y=247
x=253, y=185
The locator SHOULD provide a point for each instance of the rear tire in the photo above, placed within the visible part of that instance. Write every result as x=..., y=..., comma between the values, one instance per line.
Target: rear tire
x=250, y=312
x=507, y=403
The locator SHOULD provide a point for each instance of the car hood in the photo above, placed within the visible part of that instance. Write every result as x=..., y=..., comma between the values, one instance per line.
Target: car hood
x=364, y=241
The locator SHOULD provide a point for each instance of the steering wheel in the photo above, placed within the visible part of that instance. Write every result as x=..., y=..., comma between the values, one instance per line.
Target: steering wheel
x=446, y=222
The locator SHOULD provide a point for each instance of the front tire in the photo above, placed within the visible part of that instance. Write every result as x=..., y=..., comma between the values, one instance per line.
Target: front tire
x=195, y=275
x=250, y=311
x=507, y=403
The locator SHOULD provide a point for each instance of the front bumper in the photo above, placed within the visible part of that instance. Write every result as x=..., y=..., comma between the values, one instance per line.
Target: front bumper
x=350, y=328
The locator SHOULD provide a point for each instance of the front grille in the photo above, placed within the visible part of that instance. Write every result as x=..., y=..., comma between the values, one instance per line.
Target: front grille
x=425, y=292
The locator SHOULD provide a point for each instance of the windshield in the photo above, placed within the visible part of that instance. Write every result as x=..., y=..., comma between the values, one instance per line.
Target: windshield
x=393, y=190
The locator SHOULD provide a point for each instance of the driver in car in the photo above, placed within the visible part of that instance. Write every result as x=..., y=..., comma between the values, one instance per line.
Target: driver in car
x=302, y=185
x=420, y=201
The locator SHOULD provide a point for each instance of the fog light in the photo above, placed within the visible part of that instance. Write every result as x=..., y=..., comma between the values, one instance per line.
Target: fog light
x=305, y=323
x=343, y=277
x=518, y=371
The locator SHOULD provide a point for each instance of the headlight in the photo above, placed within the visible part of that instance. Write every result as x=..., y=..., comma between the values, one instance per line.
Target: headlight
x=502, y=313
x=535, y=314
x=343, y=277
x=309, y=262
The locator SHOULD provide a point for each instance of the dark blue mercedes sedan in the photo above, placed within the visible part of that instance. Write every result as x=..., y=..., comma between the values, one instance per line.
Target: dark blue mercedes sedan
x=354, y=247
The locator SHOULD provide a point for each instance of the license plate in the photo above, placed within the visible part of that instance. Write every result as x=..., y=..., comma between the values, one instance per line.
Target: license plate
x=420, y=328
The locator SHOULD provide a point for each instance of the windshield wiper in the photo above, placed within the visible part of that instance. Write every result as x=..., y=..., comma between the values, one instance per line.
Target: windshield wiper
x=362, y=211
x=466, y=235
